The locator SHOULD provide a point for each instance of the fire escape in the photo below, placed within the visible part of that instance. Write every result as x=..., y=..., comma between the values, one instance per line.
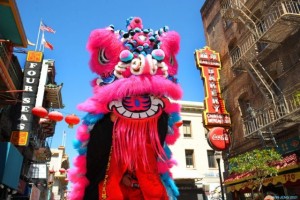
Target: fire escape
x=280, y=20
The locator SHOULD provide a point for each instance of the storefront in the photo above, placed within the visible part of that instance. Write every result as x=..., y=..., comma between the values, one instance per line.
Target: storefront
x=285, y=184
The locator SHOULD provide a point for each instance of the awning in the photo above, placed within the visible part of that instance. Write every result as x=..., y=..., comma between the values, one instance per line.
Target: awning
x=10, y=165
x=287, y=163
x=235, y=182
x=284, y=178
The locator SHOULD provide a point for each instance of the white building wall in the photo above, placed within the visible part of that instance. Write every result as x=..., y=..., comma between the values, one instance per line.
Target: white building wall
x=56, y=164
x=207, y=178
x=42, y=83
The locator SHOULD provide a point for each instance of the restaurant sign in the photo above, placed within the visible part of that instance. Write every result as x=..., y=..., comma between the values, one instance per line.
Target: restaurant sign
x=22, y=126
x=215, y=114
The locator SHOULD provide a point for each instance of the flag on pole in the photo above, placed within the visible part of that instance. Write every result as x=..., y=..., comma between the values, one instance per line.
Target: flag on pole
x=44, y=27
x=47, y=44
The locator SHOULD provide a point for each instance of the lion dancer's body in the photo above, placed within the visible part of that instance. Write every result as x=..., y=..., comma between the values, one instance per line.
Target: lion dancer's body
x=123, y=141
x=137, y=177
x=147, y=185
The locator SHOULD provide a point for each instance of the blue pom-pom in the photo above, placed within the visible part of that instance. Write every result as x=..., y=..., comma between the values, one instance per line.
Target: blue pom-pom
x=146, y=31
x=90, y=119
x=174, y=117
x=137, y=30
x=129, y=46
x=82, y=151
x=166, y=28
x=158, y=54
x=152, y=39
x=167, y=151
x=76, y=144
x=140, y=48
x=146, y=45
x=169, y=182
x=126, y=56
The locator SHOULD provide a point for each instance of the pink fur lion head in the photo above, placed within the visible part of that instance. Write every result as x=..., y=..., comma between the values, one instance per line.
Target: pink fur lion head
x=139, y=63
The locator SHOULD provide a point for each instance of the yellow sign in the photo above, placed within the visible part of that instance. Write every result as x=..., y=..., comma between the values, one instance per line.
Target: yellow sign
x=19, y=138
x=34, y=56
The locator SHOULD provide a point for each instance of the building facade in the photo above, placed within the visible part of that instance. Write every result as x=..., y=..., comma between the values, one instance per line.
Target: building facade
x=59, y=164
x=260, y=54
x=196, y=173
x=24, y=137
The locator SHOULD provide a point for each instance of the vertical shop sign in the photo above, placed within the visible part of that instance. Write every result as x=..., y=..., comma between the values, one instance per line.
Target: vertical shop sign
x=215, y=114
x=32, y=71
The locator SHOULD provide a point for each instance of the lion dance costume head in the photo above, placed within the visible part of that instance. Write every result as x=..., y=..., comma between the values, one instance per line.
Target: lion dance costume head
x=131, y=118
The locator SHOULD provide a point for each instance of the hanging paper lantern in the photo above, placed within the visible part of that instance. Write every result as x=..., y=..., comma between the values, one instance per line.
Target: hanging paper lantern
x=51, y=171
x=55, y=116
x=72, y=120
x=62, y=170
x=39, y=111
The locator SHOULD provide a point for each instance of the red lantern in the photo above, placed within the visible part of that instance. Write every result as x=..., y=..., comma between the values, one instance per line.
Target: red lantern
x=72, y=120
x=39, y=111
x=55, y=116
x=51, y=171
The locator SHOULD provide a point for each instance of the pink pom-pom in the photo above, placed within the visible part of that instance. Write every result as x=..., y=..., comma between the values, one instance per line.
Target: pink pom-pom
x=173, y=107
x=162, y=167
x=78, y=188
x=72, y=175
x=80, y=161
x=82, y=133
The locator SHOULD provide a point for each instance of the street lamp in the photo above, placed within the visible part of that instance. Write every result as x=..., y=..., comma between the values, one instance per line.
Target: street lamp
x=218, y=158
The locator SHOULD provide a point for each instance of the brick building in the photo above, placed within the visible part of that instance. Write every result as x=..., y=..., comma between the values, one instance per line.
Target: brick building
x=259, y=47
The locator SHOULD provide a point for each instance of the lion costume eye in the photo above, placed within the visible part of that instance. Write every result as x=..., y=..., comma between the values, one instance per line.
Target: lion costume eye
x=102, y=58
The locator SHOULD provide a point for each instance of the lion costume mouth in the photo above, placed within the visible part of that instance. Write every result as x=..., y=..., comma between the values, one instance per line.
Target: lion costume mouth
x=138, y=107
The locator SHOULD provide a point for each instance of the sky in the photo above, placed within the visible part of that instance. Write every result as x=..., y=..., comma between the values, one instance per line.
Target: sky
x=73, y=23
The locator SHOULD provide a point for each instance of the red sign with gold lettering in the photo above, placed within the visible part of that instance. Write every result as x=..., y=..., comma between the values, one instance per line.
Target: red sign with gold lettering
x=215, y=114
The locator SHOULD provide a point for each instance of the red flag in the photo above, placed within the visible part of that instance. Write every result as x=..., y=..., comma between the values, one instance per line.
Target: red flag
x=48, y=45
x=44, y=27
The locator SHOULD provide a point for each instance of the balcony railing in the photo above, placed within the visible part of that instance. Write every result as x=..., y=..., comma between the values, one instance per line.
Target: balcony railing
x=286, y=10
x=283, y=112
x=10, y=67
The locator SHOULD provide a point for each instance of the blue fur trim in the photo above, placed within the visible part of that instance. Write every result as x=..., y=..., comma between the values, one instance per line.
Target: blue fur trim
x=76, y=144
x=82, y=151
x=90, y=119
x=80, y=147
x=167, y=151
x=170, y=186
x=174, y=117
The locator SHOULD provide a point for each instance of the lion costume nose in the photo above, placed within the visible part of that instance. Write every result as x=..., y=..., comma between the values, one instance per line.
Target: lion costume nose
x=143, y=65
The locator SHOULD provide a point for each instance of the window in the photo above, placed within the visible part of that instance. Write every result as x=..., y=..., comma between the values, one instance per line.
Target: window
x=227, y=24
x=189, y=158
x=211, y=159
x=187, y=128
